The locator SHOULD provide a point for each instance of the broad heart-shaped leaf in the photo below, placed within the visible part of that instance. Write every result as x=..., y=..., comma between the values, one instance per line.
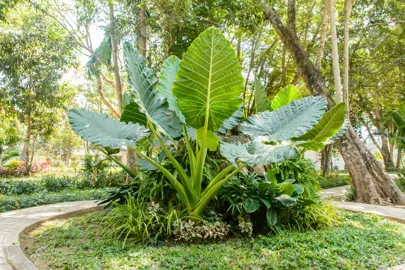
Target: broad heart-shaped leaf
x=165, y=84
x=104, y=131
x=142, y=83
x=261, y=99
x=328, y=126
x=255, y=153
x=232, y=121
x=285, y=96
x=292, y=120
x=209, y=81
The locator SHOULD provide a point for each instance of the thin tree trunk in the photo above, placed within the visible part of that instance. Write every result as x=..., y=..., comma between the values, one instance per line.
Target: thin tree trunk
x=326, y=160
x=283, y=67
x=384, y=149
x=252, y=55
x=114, y=53
x=321, y=48
x=104, y=100
x=142, y=31
x=335, y=53
x=371, y=182
x=347, y=11
x=26, y=148
x=399, y=157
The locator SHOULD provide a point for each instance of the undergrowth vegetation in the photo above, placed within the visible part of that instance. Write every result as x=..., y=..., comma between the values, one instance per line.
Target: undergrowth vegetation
x=359, y=241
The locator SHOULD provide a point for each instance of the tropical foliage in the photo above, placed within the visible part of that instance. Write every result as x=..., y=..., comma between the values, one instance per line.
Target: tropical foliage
x=207, y=88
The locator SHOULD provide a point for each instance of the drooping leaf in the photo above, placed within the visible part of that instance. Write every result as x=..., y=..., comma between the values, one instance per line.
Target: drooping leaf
x=132, y=114
x=165, y=84
x=261, y=100
x=232, y=121
x=256, y=153
x=271, y=217
x=270, y=176
x=104, y=131
x=340, y=133
x=101, y=55
x=266, y=202
x=212, y=140
x=292, y=120
x=209, y=81
x=142, y=83
x=328, y=126
x=251, y=205
x=285, y=96
x=298, y=189
x=286, y=200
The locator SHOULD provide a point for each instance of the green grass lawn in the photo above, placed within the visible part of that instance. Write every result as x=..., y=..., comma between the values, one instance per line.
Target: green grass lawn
x=360, y=242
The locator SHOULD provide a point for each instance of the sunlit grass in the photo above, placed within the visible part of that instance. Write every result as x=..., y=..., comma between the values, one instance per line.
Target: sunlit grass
x=360, y=242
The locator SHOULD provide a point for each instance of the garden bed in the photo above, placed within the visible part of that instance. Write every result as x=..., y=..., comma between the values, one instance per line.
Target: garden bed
x=361, y=241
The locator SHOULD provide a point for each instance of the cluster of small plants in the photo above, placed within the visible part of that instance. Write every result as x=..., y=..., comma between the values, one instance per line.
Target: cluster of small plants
x=194, y=231
x=334, y=180
x=16, y=167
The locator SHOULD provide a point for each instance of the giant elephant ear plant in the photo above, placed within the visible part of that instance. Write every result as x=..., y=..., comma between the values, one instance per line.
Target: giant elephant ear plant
x=201, y=93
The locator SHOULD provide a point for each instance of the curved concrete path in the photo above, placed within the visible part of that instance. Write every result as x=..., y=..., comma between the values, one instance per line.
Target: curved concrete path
x=15, y=222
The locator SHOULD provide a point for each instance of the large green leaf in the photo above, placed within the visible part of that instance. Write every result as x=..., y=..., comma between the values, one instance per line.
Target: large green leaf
x=142, y=83
x=292, y=120
x=328, y=126
x=285, y=96
x=209, y=81
x=262, y=101
x=232, y=121
x=165, y=84
x=104, y=131
x=256, y=153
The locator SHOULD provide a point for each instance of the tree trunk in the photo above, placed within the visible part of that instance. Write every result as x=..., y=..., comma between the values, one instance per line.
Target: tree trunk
x=114, y=53
x=26, y=147
x=371, y=182
x=326, y=160
x=142, y=30
x=347, y=11
x=335, y=54
x=104, y=100
x=399, y=157
x=321, y=47
x=367, y=174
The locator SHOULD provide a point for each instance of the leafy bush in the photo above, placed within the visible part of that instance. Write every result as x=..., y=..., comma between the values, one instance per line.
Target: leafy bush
x=400, y=183
x=263, y=198
x=190, y=231
x=313, y=216
x=9, y=203
x=13, y=165
x=334, y=180
x=56, y=184
x=139, y=221
x=303, y=171
x=15, y=187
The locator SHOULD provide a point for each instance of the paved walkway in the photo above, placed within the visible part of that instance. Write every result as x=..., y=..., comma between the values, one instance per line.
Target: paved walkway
x=14, y=222
x=335, y=193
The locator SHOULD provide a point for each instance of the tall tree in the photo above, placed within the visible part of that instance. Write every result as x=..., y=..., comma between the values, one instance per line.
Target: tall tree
x=371, y=182
x=34, y=54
